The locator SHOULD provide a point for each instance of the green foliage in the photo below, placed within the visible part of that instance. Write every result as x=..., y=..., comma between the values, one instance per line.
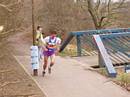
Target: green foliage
x=68, y=53
x=123, y=79
x=103, y=71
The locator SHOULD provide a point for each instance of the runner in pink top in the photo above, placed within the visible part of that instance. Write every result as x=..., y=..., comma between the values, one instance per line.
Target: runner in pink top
x=52, y=44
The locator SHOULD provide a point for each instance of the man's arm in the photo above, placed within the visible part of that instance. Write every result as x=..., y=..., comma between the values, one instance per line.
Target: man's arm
x=45, y=41
x=58, y=44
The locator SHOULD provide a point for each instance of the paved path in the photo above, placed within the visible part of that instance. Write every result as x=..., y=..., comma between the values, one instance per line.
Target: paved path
x=69, y=78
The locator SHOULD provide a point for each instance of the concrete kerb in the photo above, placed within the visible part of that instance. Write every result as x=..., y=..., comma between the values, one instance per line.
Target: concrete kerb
x=30, y=75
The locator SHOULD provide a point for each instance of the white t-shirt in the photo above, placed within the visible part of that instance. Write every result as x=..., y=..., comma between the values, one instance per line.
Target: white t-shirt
x=56, y=40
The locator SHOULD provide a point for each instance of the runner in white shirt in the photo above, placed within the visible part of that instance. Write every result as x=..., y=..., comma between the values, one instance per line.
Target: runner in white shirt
x=52, y=44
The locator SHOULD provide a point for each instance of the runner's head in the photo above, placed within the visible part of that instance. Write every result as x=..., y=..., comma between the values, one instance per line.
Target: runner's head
x=53, y=33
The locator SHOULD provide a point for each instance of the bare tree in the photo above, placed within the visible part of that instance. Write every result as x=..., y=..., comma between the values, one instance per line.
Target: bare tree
x=123, y=17
x=9, y=19
x=64, y=16
x=104, y=12
x=5, y=7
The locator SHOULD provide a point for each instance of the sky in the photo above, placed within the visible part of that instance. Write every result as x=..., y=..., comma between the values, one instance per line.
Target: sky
x=105, y=0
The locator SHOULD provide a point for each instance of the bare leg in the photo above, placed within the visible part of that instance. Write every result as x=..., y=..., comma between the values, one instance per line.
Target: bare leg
x=45, y=64
x=52, y=58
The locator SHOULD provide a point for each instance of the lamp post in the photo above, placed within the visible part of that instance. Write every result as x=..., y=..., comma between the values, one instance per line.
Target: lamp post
x=33, y=23
x=34, y=48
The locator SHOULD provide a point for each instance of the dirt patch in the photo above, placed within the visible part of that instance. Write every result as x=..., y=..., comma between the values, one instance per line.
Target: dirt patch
x=122, y=79
x=14, y=82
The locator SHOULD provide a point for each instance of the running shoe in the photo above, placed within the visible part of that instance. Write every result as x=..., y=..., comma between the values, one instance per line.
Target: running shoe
x=43, y=73
x=49, y=70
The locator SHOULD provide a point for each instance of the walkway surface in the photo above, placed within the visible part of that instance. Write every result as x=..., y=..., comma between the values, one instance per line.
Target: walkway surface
x=70, y=78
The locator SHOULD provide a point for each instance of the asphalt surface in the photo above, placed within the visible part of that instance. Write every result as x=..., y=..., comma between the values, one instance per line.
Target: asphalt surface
x=70, y=78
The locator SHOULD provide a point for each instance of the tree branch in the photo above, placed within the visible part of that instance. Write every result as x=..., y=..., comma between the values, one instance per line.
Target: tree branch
x=8, y=83
x=98, y=4
x=109, y=3
x=3, y=71
x=92, y=13
x=23, y=95
x=119, y=5
x=6, y=7
x=16, y=3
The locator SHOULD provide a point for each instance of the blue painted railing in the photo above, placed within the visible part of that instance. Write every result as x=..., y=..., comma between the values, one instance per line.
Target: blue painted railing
x=89, y=34
x=104, y=57
x=116, y=43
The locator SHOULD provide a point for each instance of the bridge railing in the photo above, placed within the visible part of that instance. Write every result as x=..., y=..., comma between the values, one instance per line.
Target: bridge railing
x=85, y=43
x=113, y=49
x=116, y=44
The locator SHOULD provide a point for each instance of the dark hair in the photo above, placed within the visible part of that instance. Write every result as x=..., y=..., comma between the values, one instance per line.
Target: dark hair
x=53, y=32
x=38, y=27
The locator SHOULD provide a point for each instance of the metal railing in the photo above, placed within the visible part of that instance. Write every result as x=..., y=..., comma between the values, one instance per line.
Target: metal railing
x=116, y=42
